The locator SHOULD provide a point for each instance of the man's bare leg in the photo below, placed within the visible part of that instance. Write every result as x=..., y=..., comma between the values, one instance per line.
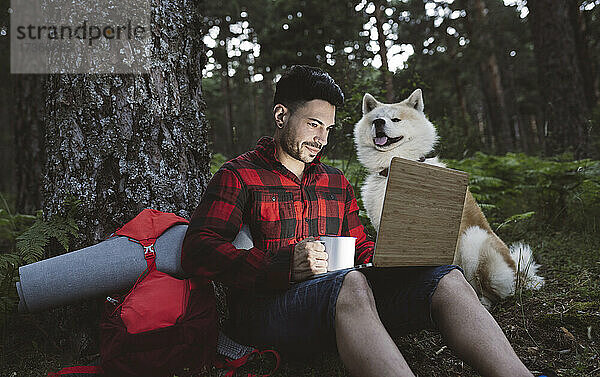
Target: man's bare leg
x=471, y=331
x=364, y=345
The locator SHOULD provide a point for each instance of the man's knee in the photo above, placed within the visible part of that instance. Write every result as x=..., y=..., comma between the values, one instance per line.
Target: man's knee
x=452, y=288
x=355, y=293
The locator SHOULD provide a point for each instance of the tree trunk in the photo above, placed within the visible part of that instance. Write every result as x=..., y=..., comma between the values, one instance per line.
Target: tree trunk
x=581, y=35
x=525, y=132
x=8, y=102
x=227, y=111
x=268, y=125
x=122, y=143
x=463, y=117
x=385, y=71
x=462, y=103
x=485, y=133
x=256, y=129
x=535, y=131
x=28, y=128
x=561, y=85
x=491, y=78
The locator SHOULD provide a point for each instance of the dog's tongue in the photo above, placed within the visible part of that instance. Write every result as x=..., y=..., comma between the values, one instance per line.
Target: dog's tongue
x=380, y=140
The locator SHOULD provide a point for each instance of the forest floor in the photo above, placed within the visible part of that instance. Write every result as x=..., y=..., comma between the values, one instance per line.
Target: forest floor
x=557, y=327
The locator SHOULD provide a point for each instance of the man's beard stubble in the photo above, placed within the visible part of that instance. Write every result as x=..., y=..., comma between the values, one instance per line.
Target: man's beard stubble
x=292, y=149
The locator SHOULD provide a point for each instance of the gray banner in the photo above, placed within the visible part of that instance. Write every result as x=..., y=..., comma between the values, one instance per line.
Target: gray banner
x=84, y=36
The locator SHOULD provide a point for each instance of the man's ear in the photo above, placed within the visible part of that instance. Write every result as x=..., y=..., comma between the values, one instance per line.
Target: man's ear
x=415, y=100
x=369, y=103
x=280, y=114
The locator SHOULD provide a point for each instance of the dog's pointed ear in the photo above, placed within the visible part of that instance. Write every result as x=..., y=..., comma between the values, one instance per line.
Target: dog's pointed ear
x=369, y=103
x=415, y=100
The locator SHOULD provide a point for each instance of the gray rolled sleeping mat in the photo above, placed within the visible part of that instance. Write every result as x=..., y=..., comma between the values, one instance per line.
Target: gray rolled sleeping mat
x=109, y=266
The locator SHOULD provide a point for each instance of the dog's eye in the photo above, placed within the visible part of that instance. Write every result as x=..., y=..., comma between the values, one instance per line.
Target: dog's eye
x=395, y=119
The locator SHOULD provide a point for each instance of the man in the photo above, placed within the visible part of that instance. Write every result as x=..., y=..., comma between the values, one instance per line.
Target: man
x=288, y=197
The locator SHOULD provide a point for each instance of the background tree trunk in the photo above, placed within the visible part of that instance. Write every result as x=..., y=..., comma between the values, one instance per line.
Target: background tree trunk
x=491, y=78
x=565, y=108
x=122, y=143
x=268, y=92
x=385, y=70
x=228, y=111
x=580, y=30
x=28, y=128
x=7, y=103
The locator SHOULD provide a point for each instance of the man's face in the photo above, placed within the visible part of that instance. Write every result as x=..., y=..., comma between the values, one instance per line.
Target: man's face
x=305, y=133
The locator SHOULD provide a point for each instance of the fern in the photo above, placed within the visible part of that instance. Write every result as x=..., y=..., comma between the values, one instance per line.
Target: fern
x=9, y=264
x=516, y=218
x=24, y=239
x=32, y=243
x=9, y=261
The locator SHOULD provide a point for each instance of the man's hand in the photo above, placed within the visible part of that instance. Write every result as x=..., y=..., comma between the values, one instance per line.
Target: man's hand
x=310, y=258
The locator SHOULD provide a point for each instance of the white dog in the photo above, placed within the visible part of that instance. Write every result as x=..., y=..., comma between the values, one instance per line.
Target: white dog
x=402, y=130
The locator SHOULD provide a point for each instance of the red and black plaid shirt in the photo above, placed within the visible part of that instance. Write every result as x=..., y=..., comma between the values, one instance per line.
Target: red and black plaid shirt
x=280, y=210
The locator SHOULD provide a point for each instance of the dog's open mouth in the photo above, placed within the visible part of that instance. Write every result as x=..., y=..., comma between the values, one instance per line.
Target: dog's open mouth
x=382, y=140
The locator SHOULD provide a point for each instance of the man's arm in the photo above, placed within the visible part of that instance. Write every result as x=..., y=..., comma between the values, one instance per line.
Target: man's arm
x=207, y=250
x=354, y=228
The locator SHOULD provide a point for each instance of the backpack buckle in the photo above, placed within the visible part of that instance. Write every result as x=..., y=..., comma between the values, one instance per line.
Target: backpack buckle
x=149, y=252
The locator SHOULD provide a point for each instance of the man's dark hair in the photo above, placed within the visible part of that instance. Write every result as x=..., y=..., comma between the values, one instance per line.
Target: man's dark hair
x=302, y=83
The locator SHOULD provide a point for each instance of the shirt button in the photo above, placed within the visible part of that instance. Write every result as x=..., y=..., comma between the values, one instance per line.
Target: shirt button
x=273, y=198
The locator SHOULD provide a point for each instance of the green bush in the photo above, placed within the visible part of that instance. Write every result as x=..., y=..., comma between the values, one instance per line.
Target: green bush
x=555, y=193
x=216, y=161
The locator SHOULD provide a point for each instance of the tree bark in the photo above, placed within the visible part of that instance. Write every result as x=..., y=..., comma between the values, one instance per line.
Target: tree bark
x=122, y=143
x=561, y=85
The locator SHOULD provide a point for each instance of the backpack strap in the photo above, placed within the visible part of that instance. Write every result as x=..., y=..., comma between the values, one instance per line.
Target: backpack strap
x=89, y=369
x=150, y=256
x=149, y=252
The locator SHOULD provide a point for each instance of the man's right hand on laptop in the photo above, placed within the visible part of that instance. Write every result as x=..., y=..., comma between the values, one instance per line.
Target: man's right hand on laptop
x=309, y=259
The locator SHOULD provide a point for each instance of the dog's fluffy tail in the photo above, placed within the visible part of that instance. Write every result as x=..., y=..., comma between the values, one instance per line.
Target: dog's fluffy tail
x=484, y=267
x=527, y=268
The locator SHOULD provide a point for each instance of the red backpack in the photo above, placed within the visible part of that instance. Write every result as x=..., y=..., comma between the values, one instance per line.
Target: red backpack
x=163, y=325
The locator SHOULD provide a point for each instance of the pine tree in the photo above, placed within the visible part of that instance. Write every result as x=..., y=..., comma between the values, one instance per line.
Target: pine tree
x=565, y=108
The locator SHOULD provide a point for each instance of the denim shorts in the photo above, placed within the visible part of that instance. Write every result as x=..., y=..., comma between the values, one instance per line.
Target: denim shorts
x=301, y=321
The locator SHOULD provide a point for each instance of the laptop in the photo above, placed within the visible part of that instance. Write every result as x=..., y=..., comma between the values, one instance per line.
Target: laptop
x=421, y=216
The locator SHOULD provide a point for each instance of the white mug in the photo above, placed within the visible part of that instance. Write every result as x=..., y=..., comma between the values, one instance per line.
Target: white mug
x=340, y=251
